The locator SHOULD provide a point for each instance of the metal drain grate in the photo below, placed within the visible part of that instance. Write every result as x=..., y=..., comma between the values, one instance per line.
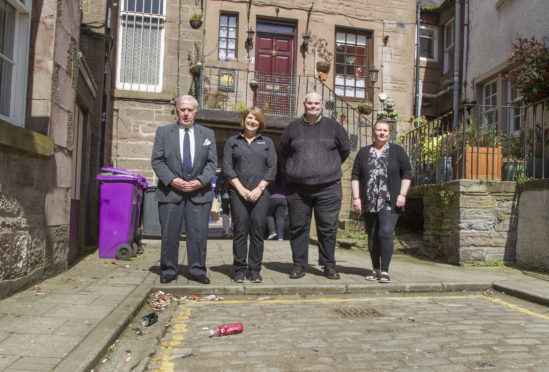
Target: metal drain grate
x=364, y=312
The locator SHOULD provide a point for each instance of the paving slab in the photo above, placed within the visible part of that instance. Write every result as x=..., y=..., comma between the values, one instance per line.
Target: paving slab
x=84, y=309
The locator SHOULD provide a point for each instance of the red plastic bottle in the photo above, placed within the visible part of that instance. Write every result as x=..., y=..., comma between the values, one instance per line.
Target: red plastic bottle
x=227, y=329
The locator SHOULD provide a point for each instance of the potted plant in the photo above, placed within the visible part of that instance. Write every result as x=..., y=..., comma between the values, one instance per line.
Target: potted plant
x=513, y=157
x=195, y=18
x=382, y=114
x=530, y=74
x=195, y=65
x=391, y=115
x=483, y=154
x=365, y=107
x=343, y=117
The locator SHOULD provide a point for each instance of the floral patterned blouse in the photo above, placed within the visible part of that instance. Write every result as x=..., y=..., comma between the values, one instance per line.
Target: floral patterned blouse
x=377, y=190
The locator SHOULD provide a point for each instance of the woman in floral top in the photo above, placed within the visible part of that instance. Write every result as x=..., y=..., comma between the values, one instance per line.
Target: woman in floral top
x=380, y=181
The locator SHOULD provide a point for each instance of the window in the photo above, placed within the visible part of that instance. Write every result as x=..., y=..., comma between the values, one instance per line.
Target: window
x=490, y=101
x=14, y=49
x=228, y=26
x=449, y=46
x=515, y=100
x=352, y=63
x=428, y=43
x=141, y=45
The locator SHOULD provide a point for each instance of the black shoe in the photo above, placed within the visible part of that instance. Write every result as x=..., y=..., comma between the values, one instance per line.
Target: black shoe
x=167, y=278
x=255, y=277
x=297, y=272
x=200, y=279
x=239, y=277
x=330, y=272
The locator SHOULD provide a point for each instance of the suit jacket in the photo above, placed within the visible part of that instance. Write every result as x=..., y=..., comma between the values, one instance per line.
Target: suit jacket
x=167, y=163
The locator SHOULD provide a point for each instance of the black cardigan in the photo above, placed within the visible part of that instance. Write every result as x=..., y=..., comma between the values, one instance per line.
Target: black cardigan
x=398, y=169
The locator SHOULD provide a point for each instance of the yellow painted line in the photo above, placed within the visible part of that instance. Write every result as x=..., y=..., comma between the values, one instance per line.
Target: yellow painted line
x=164, y=357
x=331, y=300
x=516, y=307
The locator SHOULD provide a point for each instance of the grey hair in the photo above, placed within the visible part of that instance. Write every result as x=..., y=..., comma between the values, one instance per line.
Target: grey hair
x=186, y=97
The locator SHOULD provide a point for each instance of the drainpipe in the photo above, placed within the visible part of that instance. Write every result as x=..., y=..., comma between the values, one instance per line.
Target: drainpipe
x=457, y=55
x=108, y=45
x=465, y=50
x=417, y=110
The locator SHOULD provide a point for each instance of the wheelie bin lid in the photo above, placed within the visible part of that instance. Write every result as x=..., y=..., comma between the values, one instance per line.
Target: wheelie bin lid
x=119, y=171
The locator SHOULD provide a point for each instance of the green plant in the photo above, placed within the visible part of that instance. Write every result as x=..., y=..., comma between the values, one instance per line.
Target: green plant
x=195, y=14
x=531, y=73
x=479, y=135
x=266, y=108
x=489, y=263
x=365, y=107
x=240, y=106
x=357, y=236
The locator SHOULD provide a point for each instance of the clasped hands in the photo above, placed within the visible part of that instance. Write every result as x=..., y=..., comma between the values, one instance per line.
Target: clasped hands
x=186, y=186
x=250, y=195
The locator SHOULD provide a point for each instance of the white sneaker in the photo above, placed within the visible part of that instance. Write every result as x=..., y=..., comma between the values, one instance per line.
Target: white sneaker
x=271, y=236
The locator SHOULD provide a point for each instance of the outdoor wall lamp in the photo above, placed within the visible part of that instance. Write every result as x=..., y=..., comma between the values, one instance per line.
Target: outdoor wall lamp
x=374, y=72
x=249, y=44
x=305, y=43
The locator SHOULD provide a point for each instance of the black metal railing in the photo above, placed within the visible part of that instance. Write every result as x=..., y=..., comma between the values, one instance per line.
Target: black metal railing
x=491, y=143
x=276, y=94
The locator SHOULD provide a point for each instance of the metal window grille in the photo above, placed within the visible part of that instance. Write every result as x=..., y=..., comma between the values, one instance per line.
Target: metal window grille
x=142, y=24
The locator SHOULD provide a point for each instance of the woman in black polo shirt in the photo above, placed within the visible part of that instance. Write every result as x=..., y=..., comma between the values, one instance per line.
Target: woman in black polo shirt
x=380, y=180
x=249, y=161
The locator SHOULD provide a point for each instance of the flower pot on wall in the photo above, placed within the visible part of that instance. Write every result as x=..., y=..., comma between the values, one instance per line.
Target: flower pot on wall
x=485, y=161
x=511, y=171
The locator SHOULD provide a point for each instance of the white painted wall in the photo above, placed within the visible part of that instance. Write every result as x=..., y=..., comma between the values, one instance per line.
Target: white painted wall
x=492, y=30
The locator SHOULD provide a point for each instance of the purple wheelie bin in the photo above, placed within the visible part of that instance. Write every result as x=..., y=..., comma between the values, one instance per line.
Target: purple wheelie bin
x=141, y=187
x=119, y=212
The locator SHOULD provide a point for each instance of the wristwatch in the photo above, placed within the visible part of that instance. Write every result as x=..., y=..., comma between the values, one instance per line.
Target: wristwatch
x=262, y=188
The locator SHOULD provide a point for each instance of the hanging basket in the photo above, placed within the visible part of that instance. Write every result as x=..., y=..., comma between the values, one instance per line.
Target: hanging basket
x=195, y=23
x=323, y=66
x=365, y=108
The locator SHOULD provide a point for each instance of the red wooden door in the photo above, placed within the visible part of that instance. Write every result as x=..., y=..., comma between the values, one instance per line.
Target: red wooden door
x=274, y=56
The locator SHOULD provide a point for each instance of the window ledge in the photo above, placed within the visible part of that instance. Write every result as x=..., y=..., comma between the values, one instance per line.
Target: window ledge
x=132, y=94
x=20, y=139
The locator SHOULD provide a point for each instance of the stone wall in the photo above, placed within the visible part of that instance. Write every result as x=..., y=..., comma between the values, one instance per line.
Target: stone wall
x=35, y=159
x=533, y=234
x=467, y=221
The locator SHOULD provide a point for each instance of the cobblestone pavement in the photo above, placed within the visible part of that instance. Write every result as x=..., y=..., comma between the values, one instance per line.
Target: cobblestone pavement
x=430, y=333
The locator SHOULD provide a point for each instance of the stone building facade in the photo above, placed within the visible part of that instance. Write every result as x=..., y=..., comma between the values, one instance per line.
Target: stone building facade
x=287, y=41
x=48, y=150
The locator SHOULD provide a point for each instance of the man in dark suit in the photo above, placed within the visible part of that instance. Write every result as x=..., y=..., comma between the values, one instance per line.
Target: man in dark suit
x=184, y=158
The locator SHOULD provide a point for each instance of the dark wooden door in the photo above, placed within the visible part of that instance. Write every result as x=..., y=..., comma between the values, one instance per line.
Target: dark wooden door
x=274, y=55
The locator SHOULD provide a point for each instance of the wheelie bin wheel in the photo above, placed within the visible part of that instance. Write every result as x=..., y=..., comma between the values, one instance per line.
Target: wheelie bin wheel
x=124, y=252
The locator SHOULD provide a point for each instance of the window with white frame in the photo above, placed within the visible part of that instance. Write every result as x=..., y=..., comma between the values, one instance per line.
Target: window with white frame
x=228, y=27
x=141, y=43
x=352, y=63
x=428, y=41
x=449, y=46
x=489, y=102
x=14, y=52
